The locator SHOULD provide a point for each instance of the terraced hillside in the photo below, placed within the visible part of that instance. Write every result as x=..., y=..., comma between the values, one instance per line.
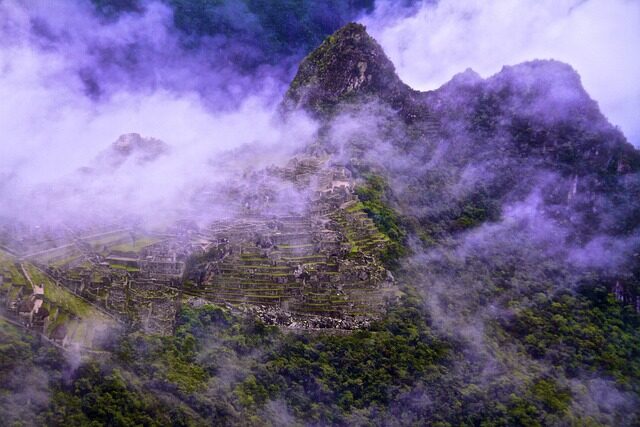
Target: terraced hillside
x=315, y=266
x=133, y=278
x=33, y=299
x=312, y=269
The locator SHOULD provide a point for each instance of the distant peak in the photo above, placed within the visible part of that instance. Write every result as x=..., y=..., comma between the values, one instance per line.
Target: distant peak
x=468, y=77
x=540, y=71
x=129, y=147
x=348, y=63
x=125, y=143
x=134, y=144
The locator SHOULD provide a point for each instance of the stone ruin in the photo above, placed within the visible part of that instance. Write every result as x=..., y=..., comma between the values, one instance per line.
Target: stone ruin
x=313, y=270
x=315, y=267
x=139, y=288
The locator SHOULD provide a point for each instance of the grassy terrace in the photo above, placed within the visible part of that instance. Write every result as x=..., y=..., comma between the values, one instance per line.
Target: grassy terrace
x=360, y=231
x=14, y=281
x=56, y=254
x=64, y=261
x=59, y=296
x=317, y=263
x=236, y=267
x=355, y=207
x=138, y=246
x=109, y=240
x=304, y=259
x=59, y=318
x=124, y=267
x=306, y=245
x=250, y=276
x=8, y=263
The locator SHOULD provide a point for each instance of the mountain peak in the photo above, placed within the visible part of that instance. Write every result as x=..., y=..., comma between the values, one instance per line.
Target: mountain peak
x=142, y=149
x=129, y=147
x=348, y=64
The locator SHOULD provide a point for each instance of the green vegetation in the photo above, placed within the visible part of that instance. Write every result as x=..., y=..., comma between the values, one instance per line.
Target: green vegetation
x=24, y=382
x=64, y=261
x=110, y=239
x=589, y=331
x=351, y=371
x=125, y=267
x=374, y=195
x=38, y=386
x=140, y=243
x=221, y=368
x=102, y=396
x=310, y=372
x=9, y=264
x=60, y=296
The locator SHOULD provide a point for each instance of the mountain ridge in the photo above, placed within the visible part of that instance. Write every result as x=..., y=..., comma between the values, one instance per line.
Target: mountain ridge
x=350, y=66
x=460, y=153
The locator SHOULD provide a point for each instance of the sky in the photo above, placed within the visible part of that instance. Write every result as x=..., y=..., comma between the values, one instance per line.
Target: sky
x=599, y=38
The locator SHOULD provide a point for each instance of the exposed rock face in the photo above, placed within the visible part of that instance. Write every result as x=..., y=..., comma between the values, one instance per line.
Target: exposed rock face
x=537, y=107
x=130, y=147
x=143, y=149
x=349, y=64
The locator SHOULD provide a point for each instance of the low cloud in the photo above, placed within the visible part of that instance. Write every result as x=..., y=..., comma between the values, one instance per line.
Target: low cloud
x=597, y=37
x=72, y=83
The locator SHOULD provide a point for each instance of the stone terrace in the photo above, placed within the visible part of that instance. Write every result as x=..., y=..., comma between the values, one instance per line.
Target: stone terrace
x=323, y=264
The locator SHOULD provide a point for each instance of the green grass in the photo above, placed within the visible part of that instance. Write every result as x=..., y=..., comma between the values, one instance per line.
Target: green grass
x=7, y=263
x=14, y=291
x=138, y=246
x=60, y=296
x=5, y=257
x=59, y=319
x=124, y=267
x=355, y=208
x=112, y=239
x=6, y=286
x=65, y=261
x=303, y=258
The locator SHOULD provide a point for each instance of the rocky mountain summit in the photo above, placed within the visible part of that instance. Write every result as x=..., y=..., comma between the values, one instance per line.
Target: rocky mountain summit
x=347, y=65
x=129, y=148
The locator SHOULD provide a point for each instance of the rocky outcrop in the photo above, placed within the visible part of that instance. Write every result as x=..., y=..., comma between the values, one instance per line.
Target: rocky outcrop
x=128, y=148
x=348, y=65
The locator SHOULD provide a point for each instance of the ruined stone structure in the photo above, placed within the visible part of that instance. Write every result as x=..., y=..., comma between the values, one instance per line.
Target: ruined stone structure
x=138, y=289
x=309, y=262
x=316, y=269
